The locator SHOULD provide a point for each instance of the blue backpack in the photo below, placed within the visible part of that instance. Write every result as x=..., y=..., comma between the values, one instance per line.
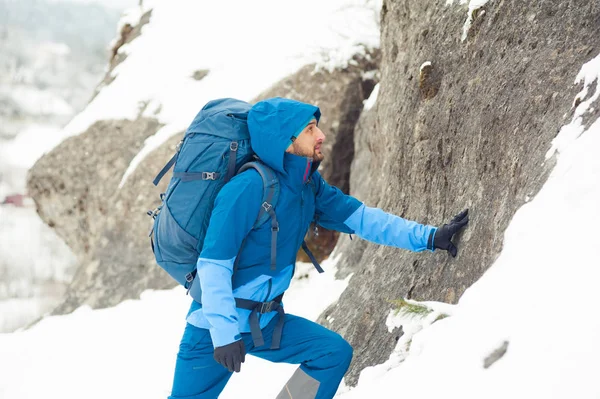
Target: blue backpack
x=216, y=146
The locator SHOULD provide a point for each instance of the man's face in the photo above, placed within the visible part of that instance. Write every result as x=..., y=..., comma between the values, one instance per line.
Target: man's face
x=308, y=143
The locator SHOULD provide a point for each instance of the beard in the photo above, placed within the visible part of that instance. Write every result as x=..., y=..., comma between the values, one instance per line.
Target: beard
x=318, y=156
x=315, y=155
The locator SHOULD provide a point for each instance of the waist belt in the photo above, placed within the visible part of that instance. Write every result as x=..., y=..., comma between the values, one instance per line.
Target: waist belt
x=263, y=307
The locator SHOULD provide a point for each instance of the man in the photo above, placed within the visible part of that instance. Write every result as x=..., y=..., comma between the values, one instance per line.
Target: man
x=220, y=331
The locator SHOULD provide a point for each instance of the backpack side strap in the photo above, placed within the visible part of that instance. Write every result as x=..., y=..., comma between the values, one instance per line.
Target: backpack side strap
x=165, y=169
x=312, y=257
x=169, y=165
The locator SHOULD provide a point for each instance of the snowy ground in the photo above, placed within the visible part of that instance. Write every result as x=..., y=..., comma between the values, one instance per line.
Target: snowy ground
x=129, y=351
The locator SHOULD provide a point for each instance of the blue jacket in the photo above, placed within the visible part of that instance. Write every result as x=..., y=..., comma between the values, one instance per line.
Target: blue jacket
x=304, y=197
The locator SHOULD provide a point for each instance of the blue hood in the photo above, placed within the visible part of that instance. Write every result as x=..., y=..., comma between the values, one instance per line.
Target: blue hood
x=272, y=124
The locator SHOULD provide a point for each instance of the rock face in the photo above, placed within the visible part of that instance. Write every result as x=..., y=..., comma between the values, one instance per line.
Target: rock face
x=469, y=131
x=76, y=186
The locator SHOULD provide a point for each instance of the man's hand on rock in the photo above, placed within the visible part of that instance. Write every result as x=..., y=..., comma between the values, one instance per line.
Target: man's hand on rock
x=442, y=238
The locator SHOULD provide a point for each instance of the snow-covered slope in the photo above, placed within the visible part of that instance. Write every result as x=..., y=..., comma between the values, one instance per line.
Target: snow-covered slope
x=129, y=351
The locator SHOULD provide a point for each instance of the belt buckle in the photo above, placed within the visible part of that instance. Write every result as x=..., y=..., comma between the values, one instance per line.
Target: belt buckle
x=266, y=307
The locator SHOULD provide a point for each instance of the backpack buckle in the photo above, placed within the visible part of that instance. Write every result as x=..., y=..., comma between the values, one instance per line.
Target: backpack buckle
x=267, y=206
x=189, y=277
x=267, y=307
x=154, y=213
x=209, y=176
x=233, y=146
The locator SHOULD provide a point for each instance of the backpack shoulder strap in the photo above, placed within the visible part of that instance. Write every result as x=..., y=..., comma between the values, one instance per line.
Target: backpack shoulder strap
x=270, y=190
x=270, y=197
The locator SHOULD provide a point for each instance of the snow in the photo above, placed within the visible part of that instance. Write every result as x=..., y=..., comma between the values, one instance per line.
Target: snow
x=410, y=324
x=35, y=266
x=474, y=5
x=29, y=145
x=589, y=73
x=131, y=16
x=132, y=347
x=37, y=102
x=150, y=144
x=56, y=49
x=370, y=102
x=116, y=4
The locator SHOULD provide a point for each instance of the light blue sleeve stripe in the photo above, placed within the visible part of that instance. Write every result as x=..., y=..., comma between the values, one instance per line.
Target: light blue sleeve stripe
x=383, y=228
x=218, y=304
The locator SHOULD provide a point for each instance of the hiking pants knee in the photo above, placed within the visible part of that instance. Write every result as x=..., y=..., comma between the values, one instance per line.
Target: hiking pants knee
x=324, y=357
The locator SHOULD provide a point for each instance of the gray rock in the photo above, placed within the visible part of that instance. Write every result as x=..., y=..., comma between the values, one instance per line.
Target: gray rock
x=200, y=74
x=75, y=188
x=469, y=132
x=495, y=355
x=127, y=34
x=121, y=265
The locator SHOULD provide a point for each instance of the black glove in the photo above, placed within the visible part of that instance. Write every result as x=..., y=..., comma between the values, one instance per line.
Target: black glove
x=231, y=356
x=443, y=235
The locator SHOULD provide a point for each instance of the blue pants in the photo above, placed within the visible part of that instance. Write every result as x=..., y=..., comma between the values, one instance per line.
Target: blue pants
x=324, y=357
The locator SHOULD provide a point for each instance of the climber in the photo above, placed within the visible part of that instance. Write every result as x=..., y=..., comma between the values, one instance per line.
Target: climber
x=221, y=330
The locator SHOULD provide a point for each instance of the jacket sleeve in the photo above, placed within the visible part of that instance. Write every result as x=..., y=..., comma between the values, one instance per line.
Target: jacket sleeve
x=337, y=211
x=383, y=228
x=235, y=211
x=332, y=206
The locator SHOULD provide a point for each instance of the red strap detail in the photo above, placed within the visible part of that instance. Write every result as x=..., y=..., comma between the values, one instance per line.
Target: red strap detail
x=308, y=166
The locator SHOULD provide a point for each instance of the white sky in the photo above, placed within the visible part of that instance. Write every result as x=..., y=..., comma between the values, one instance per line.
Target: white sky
x=116, y=4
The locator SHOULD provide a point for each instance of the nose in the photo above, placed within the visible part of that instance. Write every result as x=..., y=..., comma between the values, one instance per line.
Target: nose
x=320, y=135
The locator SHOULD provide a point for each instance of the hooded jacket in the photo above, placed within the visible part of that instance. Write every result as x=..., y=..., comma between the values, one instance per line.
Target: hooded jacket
x=304, y=197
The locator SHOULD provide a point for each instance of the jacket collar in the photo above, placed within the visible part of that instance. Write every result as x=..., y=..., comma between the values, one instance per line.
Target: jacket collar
x=297, y=170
